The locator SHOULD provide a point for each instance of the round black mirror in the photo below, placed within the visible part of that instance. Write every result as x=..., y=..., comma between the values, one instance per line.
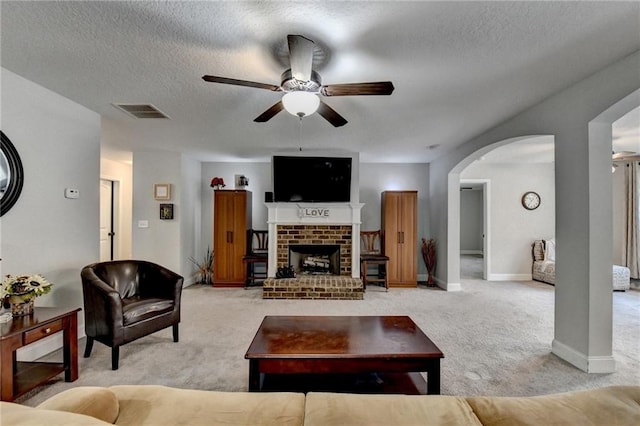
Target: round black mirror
x=11, y=175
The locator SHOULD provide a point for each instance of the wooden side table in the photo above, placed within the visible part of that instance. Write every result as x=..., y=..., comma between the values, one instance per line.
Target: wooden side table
x=18, y=378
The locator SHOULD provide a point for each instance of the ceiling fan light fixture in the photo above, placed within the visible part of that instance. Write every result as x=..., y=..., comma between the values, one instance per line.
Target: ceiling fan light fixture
x=300, y=103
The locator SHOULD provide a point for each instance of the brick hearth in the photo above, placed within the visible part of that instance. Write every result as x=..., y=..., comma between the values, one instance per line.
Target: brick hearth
x=313, y=287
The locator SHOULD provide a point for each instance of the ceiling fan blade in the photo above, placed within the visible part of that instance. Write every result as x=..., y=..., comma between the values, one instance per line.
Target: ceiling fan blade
x=355, y=89
x=300, y=56
x=233, y=81
x=268, y=114
x=331, y=115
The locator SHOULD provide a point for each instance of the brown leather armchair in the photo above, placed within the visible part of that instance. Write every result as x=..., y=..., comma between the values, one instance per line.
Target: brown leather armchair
x=128, y=299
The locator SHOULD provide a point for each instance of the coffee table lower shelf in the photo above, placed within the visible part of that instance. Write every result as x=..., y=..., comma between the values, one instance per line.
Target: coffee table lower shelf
x=372, y=383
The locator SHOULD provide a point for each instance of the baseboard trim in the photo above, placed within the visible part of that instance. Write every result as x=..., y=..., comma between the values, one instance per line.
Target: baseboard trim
x=471, y=252
x=190, y=281
x=447, y=286
x=509, y=277
x=589, y=364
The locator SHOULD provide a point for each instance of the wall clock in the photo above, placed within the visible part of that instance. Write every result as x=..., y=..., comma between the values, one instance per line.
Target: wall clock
x=530, y=200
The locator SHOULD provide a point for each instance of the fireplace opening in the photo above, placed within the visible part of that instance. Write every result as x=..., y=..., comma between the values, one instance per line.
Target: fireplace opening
x=315, y=259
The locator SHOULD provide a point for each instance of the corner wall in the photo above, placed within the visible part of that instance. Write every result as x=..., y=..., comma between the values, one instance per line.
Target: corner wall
x=59, y=144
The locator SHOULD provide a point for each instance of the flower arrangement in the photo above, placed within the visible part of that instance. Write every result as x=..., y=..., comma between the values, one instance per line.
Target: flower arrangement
x=217, y=182
x=18, y=293
x=26, y=287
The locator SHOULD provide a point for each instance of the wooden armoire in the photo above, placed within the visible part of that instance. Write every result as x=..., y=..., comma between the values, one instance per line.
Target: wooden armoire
x=231, y=220
x=399, y=224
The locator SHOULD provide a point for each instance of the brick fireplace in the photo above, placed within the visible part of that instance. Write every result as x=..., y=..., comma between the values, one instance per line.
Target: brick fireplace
x=312, y=235
x=327, y=226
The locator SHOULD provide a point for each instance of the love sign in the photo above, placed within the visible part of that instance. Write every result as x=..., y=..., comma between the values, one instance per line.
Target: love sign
x=314, y=212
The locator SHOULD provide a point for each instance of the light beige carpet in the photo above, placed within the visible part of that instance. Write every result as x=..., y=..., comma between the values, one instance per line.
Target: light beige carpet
x=496, y=337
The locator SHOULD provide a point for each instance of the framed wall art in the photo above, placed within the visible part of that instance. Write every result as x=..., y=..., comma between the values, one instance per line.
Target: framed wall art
x=162, y=191
x=166, y=211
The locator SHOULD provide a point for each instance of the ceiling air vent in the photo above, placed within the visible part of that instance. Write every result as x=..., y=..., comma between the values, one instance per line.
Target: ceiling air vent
x=141, y=110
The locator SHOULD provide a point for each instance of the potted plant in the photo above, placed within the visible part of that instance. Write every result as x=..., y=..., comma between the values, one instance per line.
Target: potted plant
x=20, y=291
x=205, y=267
x=429, y=257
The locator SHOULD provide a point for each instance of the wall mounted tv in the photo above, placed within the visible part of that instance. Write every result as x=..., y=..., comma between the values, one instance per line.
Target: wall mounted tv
x=311, y=179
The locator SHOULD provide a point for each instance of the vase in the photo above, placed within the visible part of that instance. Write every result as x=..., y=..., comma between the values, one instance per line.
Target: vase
x=430, y=281
x=21, y=305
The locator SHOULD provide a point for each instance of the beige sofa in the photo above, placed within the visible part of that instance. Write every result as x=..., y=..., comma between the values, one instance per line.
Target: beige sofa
x=544, y=266
x=158, y=405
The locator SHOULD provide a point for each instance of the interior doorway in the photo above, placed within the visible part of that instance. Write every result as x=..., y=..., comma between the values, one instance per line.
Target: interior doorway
x=107, y=220
x=474, y=217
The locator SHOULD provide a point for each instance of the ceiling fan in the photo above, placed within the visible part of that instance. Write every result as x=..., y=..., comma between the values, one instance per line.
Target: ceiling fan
x=301, y=86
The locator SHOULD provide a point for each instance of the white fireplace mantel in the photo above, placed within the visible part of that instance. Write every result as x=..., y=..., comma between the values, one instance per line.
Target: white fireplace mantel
x=314, y=214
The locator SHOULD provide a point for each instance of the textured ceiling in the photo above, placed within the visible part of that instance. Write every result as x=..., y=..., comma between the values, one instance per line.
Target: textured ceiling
x=458, y=68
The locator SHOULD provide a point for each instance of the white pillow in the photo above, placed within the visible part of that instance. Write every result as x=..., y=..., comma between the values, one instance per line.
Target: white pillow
x=550, y=250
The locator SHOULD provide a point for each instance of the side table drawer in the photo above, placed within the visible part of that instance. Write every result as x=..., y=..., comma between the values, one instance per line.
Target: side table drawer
x=42, y=331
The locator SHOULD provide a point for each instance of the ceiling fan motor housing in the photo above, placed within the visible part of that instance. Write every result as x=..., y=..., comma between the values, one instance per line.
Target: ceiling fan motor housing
x=290, y=84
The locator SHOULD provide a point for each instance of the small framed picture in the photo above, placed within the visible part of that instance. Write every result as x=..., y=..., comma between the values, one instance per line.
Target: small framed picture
x=162, y=191
x=166, y=211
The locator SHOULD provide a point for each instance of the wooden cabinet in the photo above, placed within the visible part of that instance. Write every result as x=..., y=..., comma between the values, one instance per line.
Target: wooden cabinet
x=231, y=220
x=399, y=224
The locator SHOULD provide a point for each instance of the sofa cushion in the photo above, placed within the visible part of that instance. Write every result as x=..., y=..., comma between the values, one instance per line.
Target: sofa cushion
x=351, y=409
x=161, y=405
x=96, y=402
x=616, y=405
x=550, y=250
x=14, y=414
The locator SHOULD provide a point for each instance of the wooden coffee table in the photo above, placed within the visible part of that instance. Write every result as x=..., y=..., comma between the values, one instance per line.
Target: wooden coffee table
x=343, y=353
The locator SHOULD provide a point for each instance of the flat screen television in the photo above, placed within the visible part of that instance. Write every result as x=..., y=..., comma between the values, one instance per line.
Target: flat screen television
x=311, y=179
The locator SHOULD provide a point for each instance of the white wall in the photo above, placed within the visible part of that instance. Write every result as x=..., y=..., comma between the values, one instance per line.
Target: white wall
x=190, y=217
x=59, y=144
x=471, y=221
x=513, y=228
x=160, y=242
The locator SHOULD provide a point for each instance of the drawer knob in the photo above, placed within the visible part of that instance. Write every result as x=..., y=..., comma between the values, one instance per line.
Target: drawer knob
x=47, y=330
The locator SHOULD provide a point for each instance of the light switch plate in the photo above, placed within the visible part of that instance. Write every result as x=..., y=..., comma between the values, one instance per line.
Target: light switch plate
x=71, y=193
x=143, y=224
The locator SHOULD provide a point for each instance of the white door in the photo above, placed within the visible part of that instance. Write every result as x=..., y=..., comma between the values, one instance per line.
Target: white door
x=106, y=220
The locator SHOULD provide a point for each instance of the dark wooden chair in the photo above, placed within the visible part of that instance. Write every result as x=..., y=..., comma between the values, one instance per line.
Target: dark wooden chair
x=257, y=255
x=373, y=263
